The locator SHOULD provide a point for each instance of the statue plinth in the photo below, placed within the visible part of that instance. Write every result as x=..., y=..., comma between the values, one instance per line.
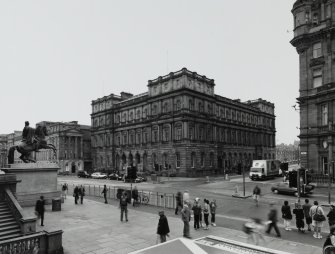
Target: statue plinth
x=36, y=179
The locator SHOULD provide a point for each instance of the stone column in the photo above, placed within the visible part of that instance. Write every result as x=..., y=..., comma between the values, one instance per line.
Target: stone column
x=81, y=148
x=76, y=147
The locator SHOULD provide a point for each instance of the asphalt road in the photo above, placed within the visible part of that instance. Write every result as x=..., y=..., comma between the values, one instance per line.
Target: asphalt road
x=231, y=212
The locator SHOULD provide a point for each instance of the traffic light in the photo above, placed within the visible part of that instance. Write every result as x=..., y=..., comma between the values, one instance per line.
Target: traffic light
x=292, y=176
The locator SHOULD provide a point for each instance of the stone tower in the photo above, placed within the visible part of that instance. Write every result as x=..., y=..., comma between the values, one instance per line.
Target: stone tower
x=314, y=29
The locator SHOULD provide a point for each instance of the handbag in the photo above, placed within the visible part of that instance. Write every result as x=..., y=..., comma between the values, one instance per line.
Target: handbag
x=318, y=217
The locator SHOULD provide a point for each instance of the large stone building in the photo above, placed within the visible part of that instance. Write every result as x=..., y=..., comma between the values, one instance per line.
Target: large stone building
x=314, y=30
x=3, y=150
x=73, y=144
x=72, y=141
x=180, y=125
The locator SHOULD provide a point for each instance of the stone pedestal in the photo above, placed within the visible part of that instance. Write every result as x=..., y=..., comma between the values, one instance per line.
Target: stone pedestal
x=36, y=179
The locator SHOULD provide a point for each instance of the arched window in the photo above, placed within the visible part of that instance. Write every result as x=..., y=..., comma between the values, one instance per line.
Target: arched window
x=166, y=107
x=191, y=104
x=211, y=160
x=178, y=132
x=138, y=114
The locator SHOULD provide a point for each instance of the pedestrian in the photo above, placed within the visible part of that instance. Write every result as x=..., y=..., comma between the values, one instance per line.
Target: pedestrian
x=163, y=229
x=286, y=215
x=186, y=197
x=329, y=244
x=253, y=228
x=81, y=193
x=76, y=194
x=196, y=212
x=104, y=191
x=256, y=194
x=273, y=219
x=299, y=217
x=135, y=195
x=186, y=217
x=64, y=190
x=307, y=207
x=212, y=207
x=206, y=213
x=318, y=217
x=179, y=202
x=40, y=209
x=331, y=216
x=123, y=205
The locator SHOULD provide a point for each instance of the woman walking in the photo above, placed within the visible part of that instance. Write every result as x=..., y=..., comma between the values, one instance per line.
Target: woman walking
x=212, y=206
x=318, y=216
x=286, y=215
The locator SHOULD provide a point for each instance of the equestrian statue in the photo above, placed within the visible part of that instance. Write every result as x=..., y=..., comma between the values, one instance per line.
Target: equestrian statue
x=32, y=141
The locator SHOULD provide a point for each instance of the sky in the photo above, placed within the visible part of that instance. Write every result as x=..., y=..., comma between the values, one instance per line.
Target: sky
x=58, y=56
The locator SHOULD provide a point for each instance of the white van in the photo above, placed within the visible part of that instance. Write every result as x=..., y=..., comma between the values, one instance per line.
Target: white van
x=263, y=169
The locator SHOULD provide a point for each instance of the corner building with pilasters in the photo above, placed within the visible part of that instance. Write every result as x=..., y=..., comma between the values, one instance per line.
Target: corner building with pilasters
x=314, y=40
x=180, y=126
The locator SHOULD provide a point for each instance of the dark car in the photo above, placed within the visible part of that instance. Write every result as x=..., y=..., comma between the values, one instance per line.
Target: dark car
x=115, y=176
x=284, y=188
x=83, y=174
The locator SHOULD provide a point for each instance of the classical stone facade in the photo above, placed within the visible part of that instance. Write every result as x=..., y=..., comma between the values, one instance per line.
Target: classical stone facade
x=3, y=150
x=180, y=125
x=314, y=30
x=73, y=144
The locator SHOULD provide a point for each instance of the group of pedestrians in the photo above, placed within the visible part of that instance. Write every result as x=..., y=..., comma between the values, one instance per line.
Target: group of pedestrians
x=79, y=192
x=312, y=215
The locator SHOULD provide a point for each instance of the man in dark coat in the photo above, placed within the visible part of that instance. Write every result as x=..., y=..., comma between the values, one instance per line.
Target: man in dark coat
x=299, y=217
x=163, y=229
x=39, y=208
x=81, y=193
x=76, y=194
x=273, y=220
x=123, y=205
x=104, y=191
x=179, y=202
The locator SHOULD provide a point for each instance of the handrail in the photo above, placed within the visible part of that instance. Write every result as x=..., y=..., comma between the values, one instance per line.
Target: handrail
x=22, y=238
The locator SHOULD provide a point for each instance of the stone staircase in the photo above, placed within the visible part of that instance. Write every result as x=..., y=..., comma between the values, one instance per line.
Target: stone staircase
x=9, y=228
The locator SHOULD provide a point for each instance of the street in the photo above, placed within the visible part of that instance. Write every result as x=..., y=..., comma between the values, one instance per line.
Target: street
x=231, y=212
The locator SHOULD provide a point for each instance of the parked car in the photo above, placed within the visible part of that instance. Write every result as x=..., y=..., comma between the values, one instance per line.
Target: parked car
x=115, y=176
x=140, y=179
x=98, y=175
x=284, y=188
x=83, y=174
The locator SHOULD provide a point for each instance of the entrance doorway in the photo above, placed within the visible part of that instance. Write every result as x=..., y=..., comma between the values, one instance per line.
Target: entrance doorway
x=73, y=168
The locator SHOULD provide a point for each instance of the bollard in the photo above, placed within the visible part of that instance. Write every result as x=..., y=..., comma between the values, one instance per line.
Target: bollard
x=207, y=179
x=227, y=177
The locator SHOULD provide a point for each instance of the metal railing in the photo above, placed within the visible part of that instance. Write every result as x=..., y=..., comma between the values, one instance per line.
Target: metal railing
x=322, y=179
x=159, y=199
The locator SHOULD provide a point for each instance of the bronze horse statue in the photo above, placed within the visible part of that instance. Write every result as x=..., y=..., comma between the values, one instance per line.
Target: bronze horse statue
x=34, y=143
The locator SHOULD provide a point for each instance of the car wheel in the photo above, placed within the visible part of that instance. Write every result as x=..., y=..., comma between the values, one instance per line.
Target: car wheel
x=275, y=191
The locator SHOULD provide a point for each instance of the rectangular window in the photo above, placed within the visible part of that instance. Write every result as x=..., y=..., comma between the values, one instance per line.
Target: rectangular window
x=191, y=133
x=178, y=133
x=202, y=160
x=324, y=115
x=317, y=78
x=317, y=51
x=178, y=160
x=193, y=160
x=325, y=165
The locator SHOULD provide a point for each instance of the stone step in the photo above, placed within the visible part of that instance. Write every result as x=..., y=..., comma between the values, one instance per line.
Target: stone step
x=9, y=228
x=10, y=232
x=5, y=220
x=8, y=223
x=10, y=236
x=5, y=212
x=5, y=216
x=4, y=209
